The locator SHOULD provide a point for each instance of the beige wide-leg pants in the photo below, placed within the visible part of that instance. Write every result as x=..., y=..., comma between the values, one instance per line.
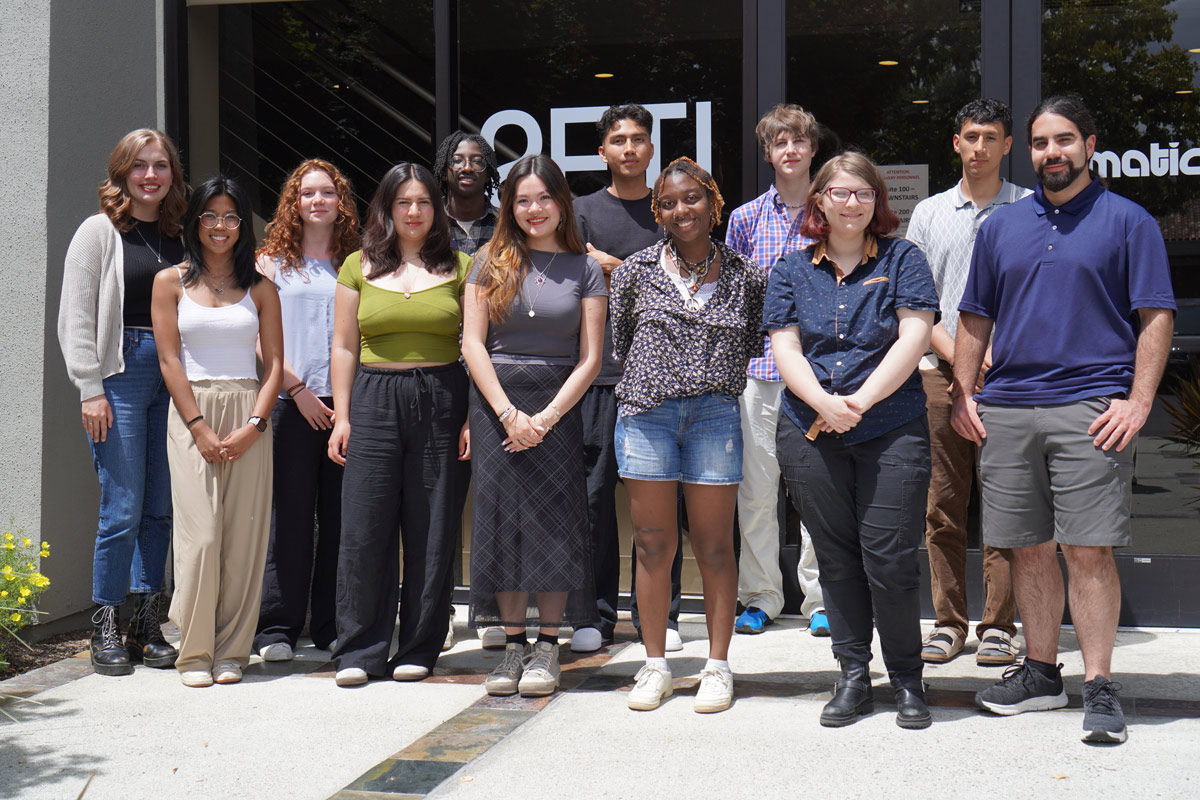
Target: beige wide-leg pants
x=222, y=522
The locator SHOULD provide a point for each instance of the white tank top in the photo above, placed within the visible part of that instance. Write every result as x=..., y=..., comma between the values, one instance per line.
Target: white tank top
x=218, y=343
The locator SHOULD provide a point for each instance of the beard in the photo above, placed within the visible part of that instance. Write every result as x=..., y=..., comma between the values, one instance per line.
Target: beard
x=1056, y=182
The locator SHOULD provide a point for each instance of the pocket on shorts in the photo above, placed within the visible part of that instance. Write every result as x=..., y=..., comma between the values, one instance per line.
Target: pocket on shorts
x=726, y=399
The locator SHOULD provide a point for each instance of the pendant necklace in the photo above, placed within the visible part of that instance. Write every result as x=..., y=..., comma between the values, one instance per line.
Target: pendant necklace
x=412, y=286
x=157, y=254
x=218, y=286
x=540, y=280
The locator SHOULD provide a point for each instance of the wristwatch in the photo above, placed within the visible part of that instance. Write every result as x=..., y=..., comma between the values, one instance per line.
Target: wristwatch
x=257, y=422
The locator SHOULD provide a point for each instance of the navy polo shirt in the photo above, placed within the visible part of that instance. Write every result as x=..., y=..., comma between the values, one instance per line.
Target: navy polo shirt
x=1063, y=285
x=847, y=328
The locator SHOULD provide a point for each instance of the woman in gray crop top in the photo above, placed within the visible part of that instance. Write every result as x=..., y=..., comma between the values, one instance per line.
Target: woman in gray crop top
x=109, y=349
x=533, y=318
x=208, y=315
x=314, y=228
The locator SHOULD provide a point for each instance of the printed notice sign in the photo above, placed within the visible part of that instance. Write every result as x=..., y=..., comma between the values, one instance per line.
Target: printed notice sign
x=908, y=184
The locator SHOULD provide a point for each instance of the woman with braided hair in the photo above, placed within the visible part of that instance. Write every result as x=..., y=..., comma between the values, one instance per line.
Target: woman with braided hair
x=685, y=317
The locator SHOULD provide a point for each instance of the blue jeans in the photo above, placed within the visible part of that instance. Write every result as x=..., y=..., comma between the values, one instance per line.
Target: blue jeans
x=135, y=485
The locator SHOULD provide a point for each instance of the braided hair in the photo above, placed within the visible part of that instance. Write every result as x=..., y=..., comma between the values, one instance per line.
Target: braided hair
x=445, y=153
x=685, y=166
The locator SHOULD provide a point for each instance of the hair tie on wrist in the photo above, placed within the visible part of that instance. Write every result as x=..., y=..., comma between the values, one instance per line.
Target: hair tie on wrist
x=292, y=391
x=194, y=420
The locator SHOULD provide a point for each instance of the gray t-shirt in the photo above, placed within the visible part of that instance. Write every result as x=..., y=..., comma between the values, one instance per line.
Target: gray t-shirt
x=620, y=228
x=551, y=334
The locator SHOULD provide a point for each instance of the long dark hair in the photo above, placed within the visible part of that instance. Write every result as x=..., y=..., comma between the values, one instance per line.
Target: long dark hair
x=381, y=243
x=244, y=273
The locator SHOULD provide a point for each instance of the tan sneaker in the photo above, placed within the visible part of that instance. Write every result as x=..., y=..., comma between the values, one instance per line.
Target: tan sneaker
x=504, y=679
x=541, y=671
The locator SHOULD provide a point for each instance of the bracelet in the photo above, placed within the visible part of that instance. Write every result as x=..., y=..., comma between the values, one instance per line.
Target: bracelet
x=557, y=413
x=194, y=420
x=292, y=391
x=505, y=413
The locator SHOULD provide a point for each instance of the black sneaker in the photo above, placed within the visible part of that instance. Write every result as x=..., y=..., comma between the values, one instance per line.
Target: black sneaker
x=1023, y=689
x=1103, y=720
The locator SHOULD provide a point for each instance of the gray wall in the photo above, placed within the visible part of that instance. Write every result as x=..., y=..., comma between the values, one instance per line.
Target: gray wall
x=94, y=72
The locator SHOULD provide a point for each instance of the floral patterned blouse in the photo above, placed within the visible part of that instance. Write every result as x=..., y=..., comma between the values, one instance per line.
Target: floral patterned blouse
x=670, y=351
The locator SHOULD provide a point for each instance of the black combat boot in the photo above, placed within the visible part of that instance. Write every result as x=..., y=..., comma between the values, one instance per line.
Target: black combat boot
x=852, y=696
x=108, y=654
x=145, y=641
x=911, y=711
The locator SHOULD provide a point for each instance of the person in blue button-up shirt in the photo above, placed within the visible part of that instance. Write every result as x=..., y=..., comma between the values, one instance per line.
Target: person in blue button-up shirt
x=849, y=319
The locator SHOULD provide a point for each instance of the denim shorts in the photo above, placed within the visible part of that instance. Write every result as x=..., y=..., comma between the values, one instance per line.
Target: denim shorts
x=688, y=439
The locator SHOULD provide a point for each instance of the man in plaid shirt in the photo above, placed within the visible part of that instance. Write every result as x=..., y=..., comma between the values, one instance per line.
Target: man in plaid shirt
x=764, y=229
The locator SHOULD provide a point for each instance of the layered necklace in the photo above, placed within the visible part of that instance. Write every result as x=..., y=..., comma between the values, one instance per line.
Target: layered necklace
x=692, y=274
x=217, y=286
x=540, y=280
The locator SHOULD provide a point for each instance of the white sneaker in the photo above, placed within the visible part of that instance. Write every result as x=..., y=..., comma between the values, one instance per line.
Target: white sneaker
x=280, y=651
x=227, y=672
x=350, y=676
x=540, y=676
x=493, y=638
x=410, y=672
x=674, y=642
x=449, y=641
x=196, y=678
x=653, y=686
x=586, y=640
x=715, y=692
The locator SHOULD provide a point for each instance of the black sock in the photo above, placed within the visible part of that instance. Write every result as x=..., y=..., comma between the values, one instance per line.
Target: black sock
x=515, y=638
x=552, y=638
x=1042, y=668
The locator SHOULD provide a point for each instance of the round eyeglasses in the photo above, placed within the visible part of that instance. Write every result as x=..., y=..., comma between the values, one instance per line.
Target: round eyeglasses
x=210, y=220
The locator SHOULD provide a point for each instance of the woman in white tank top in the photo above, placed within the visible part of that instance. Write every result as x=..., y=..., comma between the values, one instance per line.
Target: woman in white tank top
x=208, y=314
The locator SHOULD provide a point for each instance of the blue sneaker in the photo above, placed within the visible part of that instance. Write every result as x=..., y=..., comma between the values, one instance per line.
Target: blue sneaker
x=752, y=620
x=818, y=624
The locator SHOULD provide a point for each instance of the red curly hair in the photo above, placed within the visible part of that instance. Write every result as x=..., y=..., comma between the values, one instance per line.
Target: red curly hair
x=285, y=231
x=115, y=201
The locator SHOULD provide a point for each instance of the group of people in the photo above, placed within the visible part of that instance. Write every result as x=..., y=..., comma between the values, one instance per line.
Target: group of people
x=537, y=351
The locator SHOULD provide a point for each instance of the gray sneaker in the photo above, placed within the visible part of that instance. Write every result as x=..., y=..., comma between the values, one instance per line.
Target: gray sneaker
x=1103, y=720
x=541, y=670
x=503, y=679
x=1023, y=689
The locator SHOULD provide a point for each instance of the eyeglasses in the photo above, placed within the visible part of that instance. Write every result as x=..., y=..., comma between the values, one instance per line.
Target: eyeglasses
x=210, y=220
x=840, y=194
x=476, y=162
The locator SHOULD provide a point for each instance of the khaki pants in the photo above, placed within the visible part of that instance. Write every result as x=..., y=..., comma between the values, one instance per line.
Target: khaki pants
x=222, y=522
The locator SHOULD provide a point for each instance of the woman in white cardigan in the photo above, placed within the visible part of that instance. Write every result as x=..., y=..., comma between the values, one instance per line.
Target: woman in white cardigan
x=104, y=329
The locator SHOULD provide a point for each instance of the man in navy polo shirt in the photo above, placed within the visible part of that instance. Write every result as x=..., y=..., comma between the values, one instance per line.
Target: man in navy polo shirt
x=1076, y=284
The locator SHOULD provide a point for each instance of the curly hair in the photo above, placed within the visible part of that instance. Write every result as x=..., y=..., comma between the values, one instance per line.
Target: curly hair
x=504, y=261
x=685, y=166
x=445, y=153
x=883, y=221
x=381, y=243
x=285, y=231
x=115, y=201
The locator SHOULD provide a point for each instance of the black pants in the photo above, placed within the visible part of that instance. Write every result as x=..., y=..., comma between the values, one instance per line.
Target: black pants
x=402, y=476
x=308, y=489
x=598, y=408
x=864, y=505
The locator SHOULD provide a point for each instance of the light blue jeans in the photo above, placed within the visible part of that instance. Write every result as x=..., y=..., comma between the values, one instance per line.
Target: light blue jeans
x=135, y=485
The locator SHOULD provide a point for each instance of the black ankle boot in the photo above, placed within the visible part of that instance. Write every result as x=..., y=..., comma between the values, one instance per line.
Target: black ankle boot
x=145, y=641
x=911, y=711
x=852, y=696
x=108, y=654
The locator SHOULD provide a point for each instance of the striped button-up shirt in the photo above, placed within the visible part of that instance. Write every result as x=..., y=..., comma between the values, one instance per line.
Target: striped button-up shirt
x=762, y=230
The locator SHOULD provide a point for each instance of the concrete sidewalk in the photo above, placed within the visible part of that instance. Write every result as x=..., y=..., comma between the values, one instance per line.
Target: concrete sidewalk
x=287, y=731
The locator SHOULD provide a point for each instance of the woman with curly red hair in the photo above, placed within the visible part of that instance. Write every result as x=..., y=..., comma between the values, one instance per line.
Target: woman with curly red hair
x=104, y=329
x=315, y=227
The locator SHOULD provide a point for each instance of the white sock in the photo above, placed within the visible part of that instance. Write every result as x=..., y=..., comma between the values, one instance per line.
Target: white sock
x=658, y=663
x=713, y=663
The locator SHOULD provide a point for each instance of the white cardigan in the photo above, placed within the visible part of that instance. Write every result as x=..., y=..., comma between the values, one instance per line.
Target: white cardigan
x=91, y=310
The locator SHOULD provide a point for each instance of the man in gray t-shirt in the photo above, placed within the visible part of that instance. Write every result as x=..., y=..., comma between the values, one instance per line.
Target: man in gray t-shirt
x=615, y=223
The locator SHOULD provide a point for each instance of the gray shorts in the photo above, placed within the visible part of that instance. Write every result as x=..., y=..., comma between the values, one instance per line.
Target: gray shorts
x=1042, y=478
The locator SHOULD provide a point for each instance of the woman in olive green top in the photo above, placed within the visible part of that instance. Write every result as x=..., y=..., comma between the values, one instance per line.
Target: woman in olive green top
x=401, y=397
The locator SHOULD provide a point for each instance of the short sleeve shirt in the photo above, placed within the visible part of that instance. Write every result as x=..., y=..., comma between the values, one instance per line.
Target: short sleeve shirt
x=1063, y=285
x=542, y=326
x=847, y=326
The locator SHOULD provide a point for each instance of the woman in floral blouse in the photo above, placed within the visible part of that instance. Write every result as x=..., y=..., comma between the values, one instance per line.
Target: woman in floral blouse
x=685, y=317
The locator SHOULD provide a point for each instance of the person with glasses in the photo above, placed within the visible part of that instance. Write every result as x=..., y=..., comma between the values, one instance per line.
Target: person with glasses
x=849, y=318
x=401, y=399
x=468, y=175
x=104, y=329
x=314, y=229
x=209, y=313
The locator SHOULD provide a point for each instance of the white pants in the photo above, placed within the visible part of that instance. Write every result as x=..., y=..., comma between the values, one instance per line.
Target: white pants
x=760, y=582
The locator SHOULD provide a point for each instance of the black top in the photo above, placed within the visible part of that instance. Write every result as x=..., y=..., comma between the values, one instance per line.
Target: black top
x=141, y=247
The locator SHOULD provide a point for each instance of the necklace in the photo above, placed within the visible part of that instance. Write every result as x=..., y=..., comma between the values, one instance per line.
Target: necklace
x=157, y=254
x=413, y=285
x=696, y=272
x=215, y=285
x=540, y=280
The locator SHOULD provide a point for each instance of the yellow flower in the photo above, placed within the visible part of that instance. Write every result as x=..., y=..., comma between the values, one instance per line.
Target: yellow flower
x=25, y=541
x=16, y=616
x=8, y=536
x=20, y=601
x=45, y=545
x=4, y=593
x=9, y=546
x=6, y=570
x=25, y=592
